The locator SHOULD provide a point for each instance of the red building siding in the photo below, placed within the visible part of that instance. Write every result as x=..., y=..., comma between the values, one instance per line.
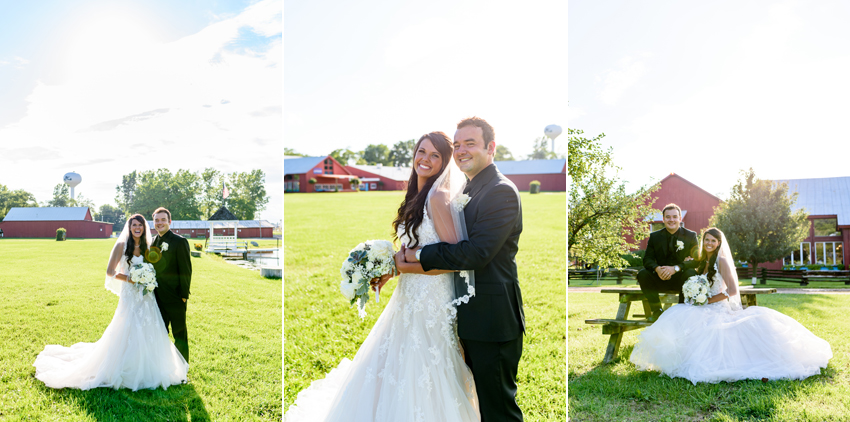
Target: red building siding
x=323, y=177
x=389, y=184
x=698, y=203
x=548, y=182
x=251, y=232
x=74, y=229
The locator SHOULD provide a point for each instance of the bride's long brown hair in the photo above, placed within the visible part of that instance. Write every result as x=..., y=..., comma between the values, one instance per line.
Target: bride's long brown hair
x=710, y=259
x=410, y=211
x=131, y=243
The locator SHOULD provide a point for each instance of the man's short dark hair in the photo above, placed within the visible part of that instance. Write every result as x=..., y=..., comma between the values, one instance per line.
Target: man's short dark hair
x=159, y=210
x=486, y=129
x=671, y=206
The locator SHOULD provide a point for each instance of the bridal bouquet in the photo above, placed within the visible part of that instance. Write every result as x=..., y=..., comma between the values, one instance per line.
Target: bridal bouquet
x=370, y=259
x=696, y=290
x=144, y=276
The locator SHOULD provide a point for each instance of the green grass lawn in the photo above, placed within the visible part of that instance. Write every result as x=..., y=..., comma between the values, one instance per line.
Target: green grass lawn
x=618, y=392
x=320, y=329
x=53, y=294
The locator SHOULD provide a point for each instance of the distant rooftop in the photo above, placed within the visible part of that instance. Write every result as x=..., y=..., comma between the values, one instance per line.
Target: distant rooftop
x=47, y=214
x=823, y=196
x=532, y=167
x=301, y=165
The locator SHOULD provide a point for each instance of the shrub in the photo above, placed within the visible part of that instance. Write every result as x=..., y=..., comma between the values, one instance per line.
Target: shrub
x=60, y=233
x=635, y=258
x=534, y=186
x=312, y=181
x=198, y=246
x=814, y=267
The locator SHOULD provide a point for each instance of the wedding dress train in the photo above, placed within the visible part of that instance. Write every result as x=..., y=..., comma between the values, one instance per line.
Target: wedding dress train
x=713, y=343
x=409, y=368
x=134, y=351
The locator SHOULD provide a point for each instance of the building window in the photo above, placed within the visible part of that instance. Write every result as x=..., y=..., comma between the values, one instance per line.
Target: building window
x=329, y=166
x=654, y=227
x=826, y=227
x=800, y=256
x=829, y=253
x=373, y=186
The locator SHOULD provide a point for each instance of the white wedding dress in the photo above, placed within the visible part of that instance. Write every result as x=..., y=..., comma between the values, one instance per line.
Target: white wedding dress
x=713, y=343
x=409, y=368
x=134, y=351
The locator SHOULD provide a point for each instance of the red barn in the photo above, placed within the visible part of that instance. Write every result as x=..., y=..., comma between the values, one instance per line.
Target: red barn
x=201, y=228
x=330, y=175
x=697, y=204
x=381, y=177
x=43, y=222
x=552, y=174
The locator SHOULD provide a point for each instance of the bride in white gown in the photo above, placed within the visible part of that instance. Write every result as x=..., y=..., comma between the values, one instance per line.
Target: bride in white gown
x=410, y=366
x=134, y=352
x=720, y=341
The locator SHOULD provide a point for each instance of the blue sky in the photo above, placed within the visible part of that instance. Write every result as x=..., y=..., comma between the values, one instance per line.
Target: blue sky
x=706, y=89
x=369, y=72
x=103, y=87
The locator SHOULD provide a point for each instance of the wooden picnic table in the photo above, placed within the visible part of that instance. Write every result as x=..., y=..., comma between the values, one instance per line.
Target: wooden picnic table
x=620, y=324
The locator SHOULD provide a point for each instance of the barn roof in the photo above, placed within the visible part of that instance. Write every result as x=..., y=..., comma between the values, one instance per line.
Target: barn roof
x=532, y=166
x=400, y=174
x=301, y=165
x=47, y=214
x=823, y=196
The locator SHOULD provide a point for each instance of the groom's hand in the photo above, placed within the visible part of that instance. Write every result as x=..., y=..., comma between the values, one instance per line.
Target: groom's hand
x=665, y=272
x=410, y=254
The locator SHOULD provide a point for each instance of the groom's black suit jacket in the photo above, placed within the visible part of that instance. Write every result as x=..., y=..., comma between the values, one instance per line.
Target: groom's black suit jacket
x=661, y=249
x=174, y=270
x=493, y=222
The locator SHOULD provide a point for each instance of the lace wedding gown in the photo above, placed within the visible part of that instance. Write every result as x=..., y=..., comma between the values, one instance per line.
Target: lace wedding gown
x=713, y=343
x=134, y=351
x=409, y=368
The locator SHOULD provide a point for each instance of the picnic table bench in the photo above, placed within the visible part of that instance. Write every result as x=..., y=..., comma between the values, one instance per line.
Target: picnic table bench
x=620, y=324
x=618, y=275
x=795, y=276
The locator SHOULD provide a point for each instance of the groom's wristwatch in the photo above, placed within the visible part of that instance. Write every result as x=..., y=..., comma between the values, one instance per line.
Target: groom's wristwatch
x=418, y=251
x=676, y=268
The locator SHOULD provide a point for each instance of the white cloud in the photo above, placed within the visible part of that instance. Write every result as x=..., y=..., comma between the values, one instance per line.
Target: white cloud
x=617, y=81
x=192, y=103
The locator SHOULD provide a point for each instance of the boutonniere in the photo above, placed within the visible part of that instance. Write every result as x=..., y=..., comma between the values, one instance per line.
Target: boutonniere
x=165, y=246
x=460, y=202
x=679, y=245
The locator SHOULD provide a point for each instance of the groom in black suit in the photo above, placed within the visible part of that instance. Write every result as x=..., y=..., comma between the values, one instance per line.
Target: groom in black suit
x=666, y=263
x=173, y=276
x=492, y=324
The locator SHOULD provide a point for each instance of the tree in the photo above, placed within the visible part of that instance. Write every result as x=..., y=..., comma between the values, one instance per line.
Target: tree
x=125, y=191
x=291, y=152
x=82, y=201
x=212, y=191
x=113, y=215
x=758, y=222
x=402, y=153
x=503, y=154
x=377, y=154
x=541, y=150
x=14, y=198
x=604, y=221
x=247, y=194
x=344, y=155
x=61, y=196
x=177, y=192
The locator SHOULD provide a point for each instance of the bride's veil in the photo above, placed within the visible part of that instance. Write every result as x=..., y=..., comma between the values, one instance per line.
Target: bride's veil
x=730, y=275
x=446, y=211
x=113, y=284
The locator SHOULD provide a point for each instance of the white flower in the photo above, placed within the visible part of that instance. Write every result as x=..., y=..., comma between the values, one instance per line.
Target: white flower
x=679, y=245
x=701, y=297
x=459, y=203
x=150, y=287
x=347, y=289
x=164, y=246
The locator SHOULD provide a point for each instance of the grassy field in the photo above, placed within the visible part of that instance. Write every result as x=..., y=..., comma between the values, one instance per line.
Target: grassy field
x=53, y=294
x=320, y=329
x=618, y=392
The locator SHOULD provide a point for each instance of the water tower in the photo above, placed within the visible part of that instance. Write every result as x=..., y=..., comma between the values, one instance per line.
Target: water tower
x=552, y=132
x=72, y=179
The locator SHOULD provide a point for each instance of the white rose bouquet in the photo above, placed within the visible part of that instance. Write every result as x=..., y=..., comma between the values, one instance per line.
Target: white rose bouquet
x=144, y=277
x=696, y=290
x=370, y=259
